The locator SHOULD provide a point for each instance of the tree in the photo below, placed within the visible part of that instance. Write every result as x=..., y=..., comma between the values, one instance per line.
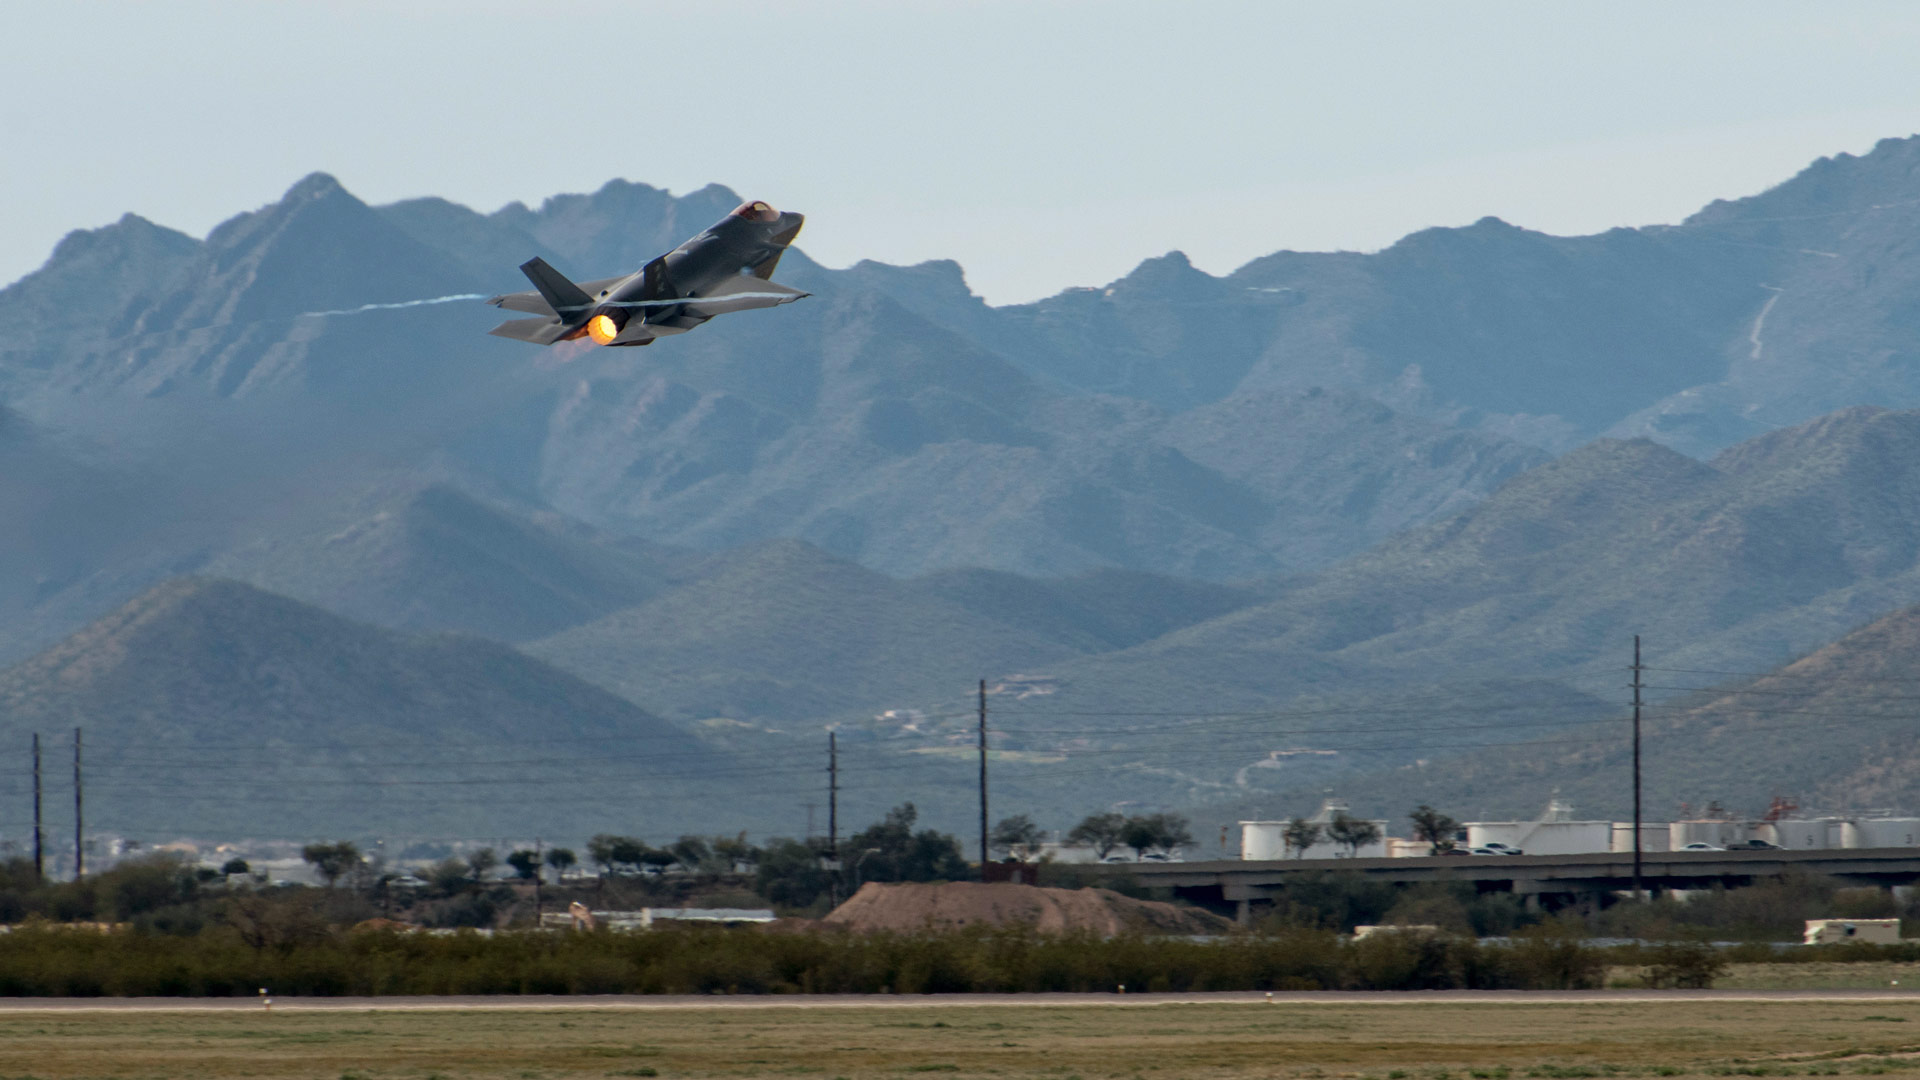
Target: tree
x=1299, y=835
x=562, y=860
x=1171, y=831
x=734, y=850
x=601, y=850
x=901, y=854
x=1155, y=832
x=525, y=863
x=236, y=865
x=1018, y=836
x=789, y=873
x=1101, y=832
x=629, y=851
x=448, y=876
x=482, y=862
x=1351, y=833
x=332, y=860
x=690, y=852
x=1436, y=828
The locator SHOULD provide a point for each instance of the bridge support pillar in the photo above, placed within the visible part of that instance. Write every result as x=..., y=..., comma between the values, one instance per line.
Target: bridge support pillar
x=1243, y=912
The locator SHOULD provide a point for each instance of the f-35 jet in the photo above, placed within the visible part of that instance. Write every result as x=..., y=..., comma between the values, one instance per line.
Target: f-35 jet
x=727, y=268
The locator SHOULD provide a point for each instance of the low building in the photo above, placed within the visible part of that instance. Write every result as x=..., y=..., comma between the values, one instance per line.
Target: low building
x=1834, y=931
x=1363, y=932
x=645, y=918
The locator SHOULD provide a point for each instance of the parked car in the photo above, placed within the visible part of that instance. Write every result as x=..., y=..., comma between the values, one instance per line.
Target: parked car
x=1487, y=851
x=1755, y=845
x=1701, y=845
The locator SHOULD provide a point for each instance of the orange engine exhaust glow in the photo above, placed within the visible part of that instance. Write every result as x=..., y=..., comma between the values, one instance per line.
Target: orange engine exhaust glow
x=603, y=329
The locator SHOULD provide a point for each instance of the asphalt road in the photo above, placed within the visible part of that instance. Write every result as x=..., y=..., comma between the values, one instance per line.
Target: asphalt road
x=643, y=1002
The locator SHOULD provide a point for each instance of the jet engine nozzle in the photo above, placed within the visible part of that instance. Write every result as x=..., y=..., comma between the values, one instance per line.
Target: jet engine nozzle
x=606, y=324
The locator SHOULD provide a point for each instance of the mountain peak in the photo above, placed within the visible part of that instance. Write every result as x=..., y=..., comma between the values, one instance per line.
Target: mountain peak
x=1888, y=173
x=1172, y=272
x=314, y=185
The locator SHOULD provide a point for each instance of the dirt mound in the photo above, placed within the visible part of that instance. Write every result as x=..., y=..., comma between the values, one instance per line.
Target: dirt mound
x=957, y=904
x=376, y=924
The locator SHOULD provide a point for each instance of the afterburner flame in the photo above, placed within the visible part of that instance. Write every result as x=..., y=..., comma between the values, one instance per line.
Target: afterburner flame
x=603, y=329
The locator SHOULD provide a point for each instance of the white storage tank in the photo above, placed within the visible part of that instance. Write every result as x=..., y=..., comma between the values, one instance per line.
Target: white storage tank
x=1543, y=837
x=1263, y=841
x=1653, y=836
x=1881, y=832
x=1806, y=834
x=1716, y=831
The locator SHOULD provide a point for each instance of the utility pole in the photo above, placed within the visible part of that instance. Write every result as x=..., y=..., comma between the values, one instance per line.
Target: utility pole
x=1639, y=893
x=833, y=818
x=39, y=830
x=79, y=827
x=983, y=780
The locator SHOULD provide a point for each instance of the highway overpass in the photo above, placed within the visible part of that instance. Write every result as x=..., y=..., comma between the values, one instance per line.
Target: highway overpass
x=1556, y=878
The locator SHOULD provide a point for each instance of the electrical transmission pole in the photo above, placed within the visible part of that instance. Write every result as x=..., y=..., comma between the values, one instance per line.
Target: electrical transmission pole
x=833, y=818
x=983, y=779
x=79, y=829
x=1638, y=892
x=39, y=830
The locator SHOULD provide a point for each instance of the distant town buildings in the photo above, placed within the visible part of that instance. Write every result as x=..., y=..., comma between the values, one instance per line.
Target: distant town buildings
x=1558, y=832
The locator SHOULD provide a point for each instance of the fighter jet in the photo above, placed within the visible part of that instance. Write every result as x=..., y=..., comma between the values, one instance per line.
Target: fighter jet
x=727, y=268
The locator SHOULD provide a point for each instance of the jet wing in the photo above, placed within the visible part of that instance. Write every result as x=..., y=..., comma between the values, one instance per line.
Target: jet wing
x=535, y=304
x=741, y=293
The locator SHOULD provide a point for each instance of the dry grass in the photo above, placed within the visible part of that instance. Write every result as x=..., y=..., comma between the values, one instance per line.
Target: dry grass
x=1442, y=1041
x=1865, y=975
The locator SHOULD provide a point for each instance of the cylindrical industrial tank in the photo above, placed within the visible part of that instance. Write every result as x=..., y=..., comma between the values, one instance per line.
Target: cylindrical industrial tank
x=1883, y=832
x=1716, y=832
x=1654, y=836
x=1263, y=840
x=1807, y=834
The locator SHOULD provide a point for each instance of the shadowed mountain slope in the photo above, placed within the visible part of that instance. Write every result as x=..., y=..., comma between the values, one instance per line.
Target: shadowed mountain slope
x=1831, y=730
x=1785, y=542
x=437, y=558
x=783, y=633
x=212, y=705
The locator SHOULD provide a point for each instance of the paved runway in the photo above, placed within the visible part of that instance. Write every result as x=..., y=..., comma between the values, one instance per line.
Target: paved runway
x=640, y=1002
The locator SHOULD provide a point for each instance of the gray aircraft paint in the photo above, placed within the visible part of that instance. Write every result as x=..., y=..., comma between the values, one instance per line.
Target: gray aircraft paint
x=726, y=268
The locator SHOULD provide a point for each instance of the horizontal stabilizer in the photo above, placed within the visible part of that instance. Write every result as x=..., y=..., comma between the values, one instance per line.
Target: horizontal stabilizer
x=538, y=331
x=531, y=302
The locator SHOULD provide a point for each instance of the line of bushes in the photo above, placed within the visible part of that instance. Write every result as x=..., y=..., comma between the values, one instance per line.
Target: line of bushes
x=44, y=962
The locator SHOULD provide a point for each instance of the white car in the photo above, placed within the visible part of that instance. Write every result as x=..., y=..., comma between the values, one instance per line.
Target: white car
x=1701, y=845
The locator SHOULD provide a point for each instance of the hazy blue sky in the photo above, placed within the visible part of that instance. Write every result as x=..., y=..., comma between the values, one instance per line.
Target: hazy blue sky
x=1040, y=144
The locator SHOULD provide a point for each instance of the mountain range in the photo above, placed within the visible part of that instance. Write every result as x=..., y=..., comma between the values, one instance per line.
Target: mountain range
x=1209, y=538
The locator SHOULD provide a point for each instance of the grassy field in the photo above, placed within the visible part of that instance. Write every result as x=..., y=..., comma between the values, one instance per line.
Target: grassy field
x=1866, y=975
x=1440, y=1041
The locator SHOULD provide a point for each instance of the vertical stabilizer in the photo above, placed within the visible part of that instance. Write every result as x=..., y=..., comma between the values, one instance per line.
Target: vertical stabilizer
x=566, y=298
